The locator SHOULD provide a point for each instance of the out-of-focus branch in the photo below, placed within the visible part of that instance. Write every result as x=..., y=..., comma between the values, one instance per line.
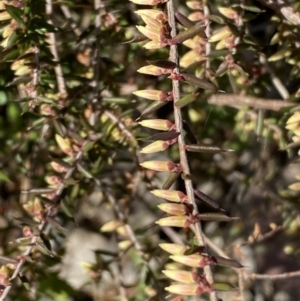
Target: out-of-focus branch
x=277, y=83
x=284, y=8
x=58, y=69
x=96, y=59
x=66, y=11
x=234, y=100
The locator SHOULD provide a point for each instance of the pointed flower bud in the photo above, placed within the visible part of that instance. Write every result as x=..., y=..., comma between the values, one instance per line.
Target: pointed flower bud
x=5, y=16
x=221, y=44
x=180, y=221
x=152, y=23
x=111, y=226
x=162, y=166
x=188, y=289
x=293, y=122
x=295, y=186
x=5, y=274
x=124, y=244
x=27, y=232
x=154, y=70
x=122, y=230
x=181, y=276
x=157, y=146
x=174, y=209
x=219, y=35
x=197, y=16
x=155, y=45
x=286, y=52
x=47, y=110
x=194, y=260
x=152, y=33
x=154, y=95
x=190, y=58
x=195, y=5
x=158, y=124
x=58, y=168
x=34, y=208
x=174, y=249
x=64, y=144
x=170, y=195
x=153, y=13
x=228, y=13
x=54, y=181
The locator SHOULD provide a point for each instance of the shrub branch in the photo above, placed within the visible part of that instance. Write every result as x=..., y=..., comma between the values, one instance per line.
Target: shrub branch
x=181, y=142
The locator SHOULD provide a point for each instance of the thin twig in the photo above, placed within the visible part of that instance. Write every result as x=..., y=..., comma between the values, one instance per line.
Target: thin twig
x=240, y=273
x=58, y=69
x=215, y=248
x=181, y=142
x=116, y=120
x=275, y=276
x=68, y=15
x=234, y=100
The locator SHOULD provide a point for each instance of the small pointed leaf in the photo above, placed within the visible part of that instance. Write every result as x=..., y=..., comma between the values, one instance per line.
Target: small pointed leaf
x=198, y=29
x=151, y=109
x=171, y=179
x=206, y=149
x=46, y=241
x=136, y=39
x=224, y=286
x=186, y=100
x=204, y=84
x=192, y=289
x=216, y=217
x=162, y=136
x=227, y=262
x=163, y=64
x=189, y=133
x=16, y=13
x=183, y=20
x=206, y=199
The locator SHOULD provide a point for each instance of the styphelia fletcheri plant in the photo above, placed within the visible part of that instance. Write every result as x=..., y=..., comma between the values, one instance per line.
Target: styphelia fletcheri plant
x=160, y=31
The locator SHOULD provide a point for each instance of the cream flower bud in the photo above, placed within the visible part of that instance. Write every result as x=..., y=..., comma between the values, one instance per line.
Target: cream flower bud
x=170, y=195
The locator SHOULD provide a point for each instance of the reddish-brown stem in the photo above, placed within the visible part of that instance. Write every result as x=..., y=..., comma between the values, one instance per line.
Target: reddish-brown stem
x=181, y=141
